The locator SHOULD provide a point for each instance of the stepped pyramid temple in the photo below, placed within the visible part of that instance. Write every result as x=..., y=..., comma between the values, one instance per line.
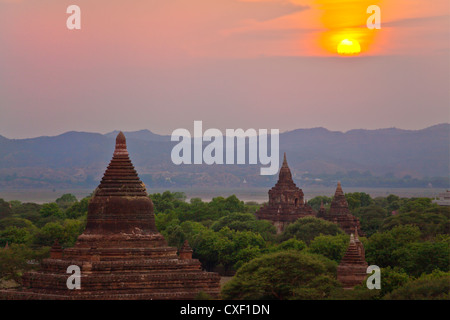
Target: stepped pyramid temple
x=120, y=253
x=352, y=270
x=286, y=201
x=340, y=214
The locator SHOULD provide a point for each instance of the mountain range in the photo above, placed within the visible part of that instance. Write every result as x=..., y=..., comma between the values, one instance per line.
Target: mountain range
x=315, y=156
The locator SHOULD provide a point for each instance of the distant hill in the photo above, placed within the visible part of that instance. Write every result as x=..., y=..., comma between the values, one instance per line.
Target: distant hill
x=316, y=156
x=145, y=135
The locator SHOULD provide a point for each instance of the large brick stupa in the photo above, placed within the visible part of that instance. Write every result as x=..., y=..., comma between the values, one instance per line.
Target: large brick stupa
x=121, y=254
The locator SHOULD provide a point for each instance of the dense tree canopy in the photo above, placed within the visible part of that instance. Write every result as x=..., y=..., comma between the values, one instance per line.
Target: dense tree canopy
x=408, y=238
x=283, y=275
x=306, y=229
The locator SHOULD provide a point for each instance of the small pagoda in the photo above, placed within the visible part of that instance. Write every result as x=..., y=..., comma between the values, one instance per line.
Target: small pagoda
x=286, y=201
x=121, y=254
x=339, y=213
x=352, y=270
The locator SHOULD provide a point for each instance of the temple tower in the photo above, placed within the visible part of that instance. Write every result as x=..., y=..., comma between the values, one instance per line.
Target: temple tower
x=286, y=201
x=352, y=270
x=339, y=213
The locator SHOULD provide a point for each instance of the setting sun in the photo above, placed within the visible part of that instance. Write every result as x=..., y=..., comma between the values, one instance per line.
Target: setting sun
x=349, y=47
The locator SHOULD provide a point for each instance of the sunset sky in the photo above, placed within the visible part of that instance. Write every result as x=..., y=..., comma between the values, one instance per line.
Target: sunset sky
x=161, y=64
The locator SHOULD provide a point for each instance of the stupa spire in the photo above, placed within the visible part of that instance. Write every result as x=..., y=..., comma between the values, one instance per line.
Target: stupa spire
x=356, y=234
x=120, y=178
x=285, y=164
x=121, y=145
x=285, y=175
x=339, y=191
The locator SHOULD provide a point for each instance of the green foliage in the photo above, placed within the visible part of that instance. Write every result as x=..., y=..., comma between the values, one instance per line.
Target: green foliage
x=316, y=201
x=371, y=218
x=358, y=199
x=78, y=209
x=417, y=204
x=51, y=210
x=245, y=222
x=16, y=222
x=382, y=248
x=360, y=292
x=5, y=209
x=15, y=260
x=306, y=229
x=332, y=247
x=29, y=211
x=402, y=247
x=392, y=279
x=226, y=236
x=13, y=234
x=429, y=288
x=424, y=257
x=431, y=221
x=282, y=275
x=66, y=233
x=291, y=244
x=66, y=200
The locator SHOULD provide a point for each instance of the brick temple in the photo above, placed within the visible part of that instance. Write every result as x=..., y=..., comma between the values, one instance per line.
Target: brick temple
x=339, y=213
x=352, y=270
x=286, y=201
x=287, y=204
x=120, y=253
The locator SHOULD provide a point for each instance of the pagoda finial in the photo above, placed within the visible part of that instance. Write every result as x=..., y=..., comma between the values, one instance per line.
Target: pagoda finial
x=321, y=205
x=121, y=145
x=356, y=233
x=6, y=246
x=185, y=252
x=339, y=190
x=352, y=238
x=285, y=161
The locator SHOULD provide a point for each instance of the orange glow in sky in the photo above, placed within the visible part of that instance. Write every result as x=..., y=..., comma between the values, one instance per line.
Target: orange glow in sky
x=346, y=20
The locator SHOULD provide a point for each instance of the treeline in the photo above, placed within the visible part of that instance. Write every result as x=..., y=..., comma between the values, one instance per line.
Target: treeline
x=210, y=177
x=408, y=238
x=367, y=179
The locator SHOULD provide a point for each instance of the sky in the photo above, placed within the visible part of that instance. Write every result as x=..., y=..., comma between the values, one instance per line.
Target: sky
x=262, y=64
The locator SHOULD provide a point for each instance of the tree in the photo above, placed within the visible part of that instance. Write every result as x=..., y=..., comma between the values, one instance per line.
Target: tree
x=306, y=229
x=429, y=288
x=332, y=247
x=206, y=248
x=280, y=275
x=392, y=279
x=317, y=201
x=51, y=210
x=13, y=234
x=384, y=248
x=423, y=257
x=371, y=218
x=5, y=209
x=356, y=200
x=245, y=222
x=49, y=233
x=431, y=221
x=233, y=242
x=78, y=209
x=14, y=261
x=291, y=244
x=66, y=200
x=29, y=211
